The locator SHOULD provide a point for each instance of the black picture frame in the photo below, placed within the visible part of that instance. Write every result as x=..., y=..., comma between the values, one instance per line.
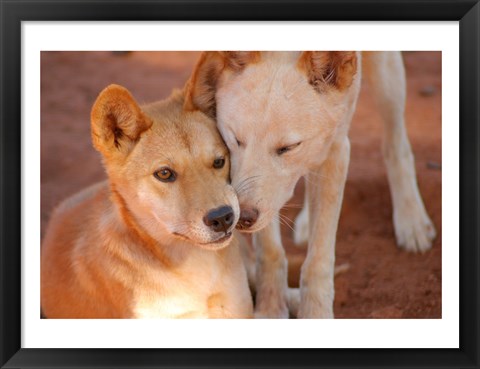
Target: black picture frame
x=467, y=12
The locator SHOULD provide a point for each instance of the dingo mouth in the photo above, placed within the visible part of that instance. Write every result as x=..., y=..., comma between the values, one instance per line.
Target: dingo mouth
x=221, y=239
x=208, y=245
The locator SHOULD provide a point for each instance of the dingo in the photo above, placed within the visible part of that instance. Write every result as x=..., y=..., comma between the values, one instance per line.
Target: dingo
x=150, y=242
x=284, y=115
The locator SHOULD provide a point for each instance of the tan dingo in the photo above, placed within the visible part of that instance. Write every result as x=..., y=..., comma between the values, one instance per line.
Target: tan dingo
x=150, y=242
x=284, y=115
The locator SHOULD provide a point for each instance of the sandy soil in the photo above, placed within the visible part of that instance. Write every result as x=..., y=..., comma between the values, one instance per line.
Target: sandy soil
x=382, y=281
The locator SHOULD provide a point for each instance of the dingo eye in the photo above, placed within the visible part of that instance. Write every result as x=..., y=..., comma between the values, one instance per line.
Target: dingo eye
x=165, y=175
x=218, y=163
x=282, y=150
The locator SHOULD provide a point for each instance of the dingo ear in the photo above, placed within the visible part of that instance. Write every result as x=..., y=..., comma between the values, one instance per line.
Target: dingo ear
x=116, y=121
x=202, y=86
x=238, y=60
x=327, y=69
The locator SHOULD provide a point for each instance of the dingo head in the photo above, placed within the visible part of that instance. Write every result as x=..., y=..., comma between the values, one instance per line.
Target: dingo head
x=278, y=113
x=168, y=168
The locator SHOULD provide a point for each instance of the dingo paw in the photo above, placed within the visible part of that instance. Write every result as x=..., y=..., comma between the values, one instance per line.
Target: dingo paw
x=316, y=303
x=414, y=232
x=314, y=310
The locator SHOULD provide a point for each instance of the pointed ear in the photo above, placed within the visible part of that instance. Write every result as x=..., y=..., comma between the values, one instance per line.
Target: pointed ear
x=116, y=122
x=238, y=60
x=327, y=69
x=202, y=86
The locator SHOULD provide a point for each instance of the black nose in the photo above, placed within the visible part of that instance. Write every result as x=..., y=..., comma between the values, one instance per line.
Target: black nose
x=220, y=219
x=248, y=217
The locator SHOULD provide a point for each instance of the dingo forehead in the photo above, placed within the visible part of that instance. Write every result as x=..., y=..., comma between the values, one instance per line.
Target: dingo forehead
x=190, y=129
x=179, y=137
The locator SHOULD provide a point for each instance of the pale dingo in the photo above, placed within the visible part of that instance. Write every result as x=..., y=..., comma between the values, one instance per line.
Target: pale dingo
x=284, y=115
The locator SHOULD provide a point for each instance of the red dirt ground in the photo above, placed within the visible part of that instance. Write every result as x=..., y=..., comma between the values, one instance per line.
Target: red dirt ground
x=382, y=281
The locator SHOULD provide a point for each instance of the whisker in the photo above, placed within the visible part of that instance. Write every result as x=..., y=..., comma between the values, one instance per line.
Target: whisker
x=283, y=216
x=182, y=226
x=245, y=182
x=245, y=189
x=284, y=222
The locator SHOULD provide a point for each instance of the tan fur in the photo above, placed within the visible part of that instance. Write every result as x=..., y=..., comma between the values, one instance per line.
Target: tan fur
x=136, y=247
x=304, y=101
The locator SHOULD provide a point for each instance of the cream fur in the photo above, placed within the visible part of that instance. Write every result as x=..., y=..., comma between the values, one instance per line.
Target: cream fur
x=276, y=99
